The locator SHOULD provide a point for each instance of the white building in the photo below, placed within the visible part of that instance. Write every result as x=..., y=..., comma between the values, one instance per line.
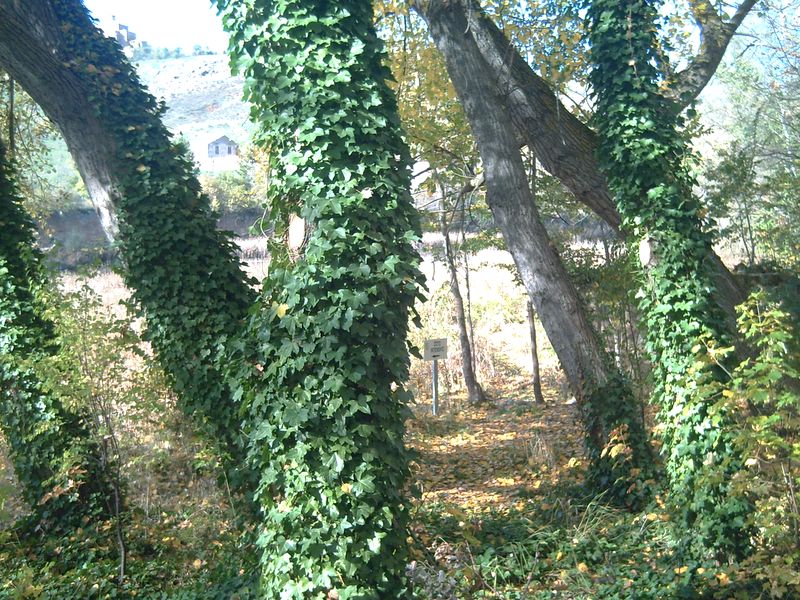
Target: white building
x=223, y=146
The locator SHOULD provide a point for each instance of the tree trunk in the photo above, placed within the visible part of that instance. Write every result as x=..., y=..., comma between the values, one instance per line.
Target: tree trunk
x=327, y=418
x=475, y=392
x=28, y=34
x=183, y=272
x=643, y=155
x=467, y=284
x=564, y=145
x=537, y=379
x=582, y=356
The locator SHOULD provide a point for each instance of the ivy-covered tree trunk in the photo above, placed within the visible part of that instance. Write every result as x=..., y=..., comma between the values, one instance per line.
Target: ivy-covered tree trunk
x=184, y=273
x=643, y=155
x=605, y=399
x=56, y=461
x=326, y=356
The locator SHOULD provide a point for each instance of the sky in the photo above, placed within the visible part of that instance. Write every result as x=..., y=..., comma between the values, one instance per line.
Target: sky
x=164, y=23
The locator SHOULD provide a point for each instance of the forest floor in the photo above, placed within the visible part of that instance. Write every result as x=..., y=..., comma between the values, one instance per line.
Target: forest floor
x=500, y=511
x=498, y=504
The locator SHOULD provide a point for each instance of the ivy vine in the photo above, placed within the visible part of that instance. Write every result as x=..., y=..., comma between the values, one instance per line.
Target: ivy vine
x=55, y=459
x=184, y=274
x=644, y=156
x=325, y=354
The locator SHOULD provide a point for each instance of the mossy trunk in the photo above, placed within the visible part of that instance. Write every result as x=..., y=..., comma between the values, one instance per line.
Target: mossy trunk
x=327, y=414
x=644, y=156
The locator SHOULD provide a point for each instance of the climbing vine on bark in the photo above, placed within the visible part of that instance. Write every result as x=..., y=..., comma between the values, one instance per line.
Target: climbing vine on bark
x=325, y=355
x=184, y=274
x=644, y=156
x=55, y=460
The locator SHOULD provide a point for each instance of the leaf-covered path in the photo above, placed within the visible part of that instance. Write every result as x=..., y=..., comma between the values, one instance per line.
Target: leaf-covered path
x=494, y=456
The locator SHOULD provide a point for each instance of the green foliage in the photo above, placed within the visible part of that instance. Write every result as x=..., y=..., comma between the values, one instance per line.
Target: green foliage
x=322, y=365
x=56, y=462
x=754, y=182
x=765, y=390
x=643, y=156
x=161, y=566
x=607, y=285
x=184, y=274
x=560, y=548
x=625, y=466
x=194, y=554
x=46, y=176
x=758, y=204
x=230, y=190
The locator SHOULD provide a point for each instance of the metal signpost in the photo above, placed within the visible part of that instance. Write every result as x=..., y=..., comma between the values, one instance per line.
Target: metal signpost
x=434, y=350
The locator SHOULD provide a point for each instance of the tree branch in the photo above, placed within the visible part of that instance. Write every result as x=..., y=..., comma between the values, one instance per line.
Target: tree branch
x=565, y=146
x=715, y=35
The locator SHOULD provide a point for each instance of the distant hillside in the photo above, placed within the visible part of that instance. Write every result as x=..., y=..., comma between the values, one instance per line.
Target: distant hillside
x=203, y=100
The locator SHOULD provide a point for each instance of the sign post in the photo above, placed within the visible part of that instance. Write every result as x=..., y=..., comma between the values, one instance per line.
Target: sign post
x=434, y=350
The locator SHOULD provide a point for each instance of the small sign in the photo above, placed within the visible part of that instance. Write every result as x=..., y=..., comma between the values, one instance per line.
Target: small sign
x=435, y=349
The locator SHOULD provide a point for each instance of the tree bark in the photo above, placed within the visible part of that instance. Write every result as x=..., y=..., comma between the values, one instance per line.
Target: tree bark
x=475, y=392
x=715, y=35
x=564, y=145
x=582, y=356
x=28, y=35
x=12, y=138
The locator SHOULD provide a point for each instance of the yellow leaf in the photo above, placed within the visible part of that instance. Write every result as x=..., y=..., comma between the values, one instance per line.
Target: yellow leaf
x=583, y=568
x=347, y=488
x=197, y=563
x=458, y=514
x=281, y=310
x=141, y=168
x=681, y=570
x=723, y=578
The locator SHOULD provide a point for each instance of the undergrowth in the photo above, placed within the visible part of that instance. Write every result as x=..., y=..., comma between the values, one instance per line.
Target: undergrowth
x=545, y=537
x=557, y=549
x=166, y=561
